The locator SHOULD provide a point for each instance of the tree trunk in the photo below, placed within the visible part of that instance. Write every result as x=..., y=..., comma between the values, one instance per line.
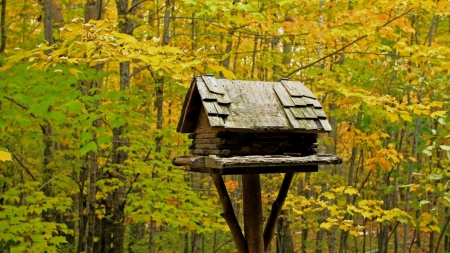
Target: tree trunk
x=415, y=142
x=48, y=22
x=159, y=111
x=3, y=28
x=284, y=237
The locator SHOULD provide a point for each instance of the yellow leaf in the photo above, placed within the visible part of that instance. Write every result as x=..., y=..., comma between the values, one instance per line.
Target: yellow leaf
x=326, y=225
x=96, y=239
x=435, y=228
x=414, y=187
x=328, y=195
x=74, y=72
x=343, y=227
x=5, y=156
x=436, y=104
x=438, y=114
x=393, y=117
x=406, y=117
x=354, y=233
x=226, y=73
x=351, y=191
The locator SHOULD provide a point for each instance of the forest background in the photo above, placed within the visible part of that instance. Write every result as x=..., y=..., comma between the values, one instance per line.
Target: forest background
x=91, y=92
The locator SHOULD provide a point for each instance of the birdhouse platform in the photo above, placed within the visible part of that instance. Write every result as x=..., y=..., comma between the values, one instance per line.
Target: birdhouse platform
x=252, y=128
x=246, y=127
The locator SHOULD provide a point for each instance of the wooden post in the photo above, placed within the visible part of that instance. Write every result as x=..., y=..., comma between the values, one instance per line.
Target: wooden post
x=277, y=205
x=253, y=220
x=228, y=215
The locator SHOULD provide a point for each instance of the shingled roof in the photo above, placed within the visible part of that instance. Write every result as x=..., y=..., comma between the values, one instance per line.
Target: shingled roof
x=253, y=105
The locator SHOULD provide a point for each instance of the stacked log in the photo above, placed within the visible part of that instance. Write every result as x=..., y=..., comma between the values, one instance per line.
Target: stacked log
x=209, y=142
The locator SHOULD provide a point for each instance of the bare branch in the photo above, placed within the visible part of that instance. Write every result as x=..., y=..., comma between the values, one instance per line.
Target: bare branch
x=344, y=47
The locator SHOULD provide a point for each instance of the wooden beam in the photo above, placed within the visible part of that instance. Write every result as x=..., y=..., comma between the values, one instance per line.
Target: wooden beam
x=229, y=216
x=192, y=161
x=253, y=220
x=216, y=162
x=277, y=205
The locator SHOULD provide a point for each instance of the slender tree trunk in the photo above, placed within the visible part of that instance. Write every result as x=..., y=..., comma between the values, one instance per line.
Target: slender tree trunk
x=160, y=109
x=196, y=242
x=284, y=237
x=443, y=232
x=344, y=234
x=3, y=28
x=255, y=45
x=226, y=61
x=415, y=143
x=48, y=22
x=46, y=127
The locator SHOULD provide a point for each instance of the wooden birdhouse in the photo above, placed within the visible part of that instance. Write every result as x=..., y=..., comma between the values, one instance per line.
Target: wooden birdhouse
x=250, y=128
x=228, y=120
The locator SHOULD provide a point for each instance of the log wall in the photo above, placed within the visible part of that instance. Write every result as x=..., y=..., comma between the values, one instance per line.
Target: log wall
x=210, y=141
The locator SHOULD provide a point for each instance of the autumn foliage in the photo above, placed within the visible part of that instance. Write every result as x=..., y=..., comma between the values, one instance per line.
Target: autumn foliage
x=87, y=123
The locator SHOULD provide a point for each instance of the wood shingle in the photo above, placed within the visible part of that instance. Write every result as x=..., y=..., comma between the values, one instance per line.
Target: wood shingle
x=253, y=105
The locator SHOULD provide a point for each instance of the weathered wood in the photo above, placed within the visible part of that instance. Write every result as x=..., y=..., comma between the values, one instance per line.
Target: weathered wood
x=313, y=102
x=268, y=161
x=191, y=109
x=222, y=110
x=210, y=108
x=293, y=88
x=253, y=220
x=211, y=84
x=229, y=146
x=269, y=229
x=297, y=89
x=205, y=136
x=192, y=161
x=320, y=113
x=251, y=105
x=205, y=94
x=207, y=141
x=283, y=95
x=308, y=113
x=223, y=99
x=216, y=121
x=255, y=106
x=227, y=134
x=205, y=152
x=200, y=152
x=206, y=146
x=298, y=101
x=257, y=170
x=229, y=216
x=326, y=125
x=298, y=112
x=296, y=124
x=309, y=124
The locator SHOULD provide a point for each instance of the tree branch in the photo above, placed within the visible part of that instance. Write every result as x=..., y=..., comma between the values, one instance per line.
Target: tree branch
x=344, y=47
x=21, y=164
x=136, y=5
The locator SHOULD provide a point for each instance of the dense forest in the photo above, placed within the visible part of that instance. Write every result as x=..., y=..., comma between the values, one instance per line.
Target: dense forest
x=91, y=92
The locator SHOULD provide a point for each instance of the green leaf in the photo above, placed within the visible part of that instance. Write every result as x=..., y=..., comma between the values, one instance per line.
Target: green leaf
x=91, y=146
x=86, y=136
x=104, y=140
